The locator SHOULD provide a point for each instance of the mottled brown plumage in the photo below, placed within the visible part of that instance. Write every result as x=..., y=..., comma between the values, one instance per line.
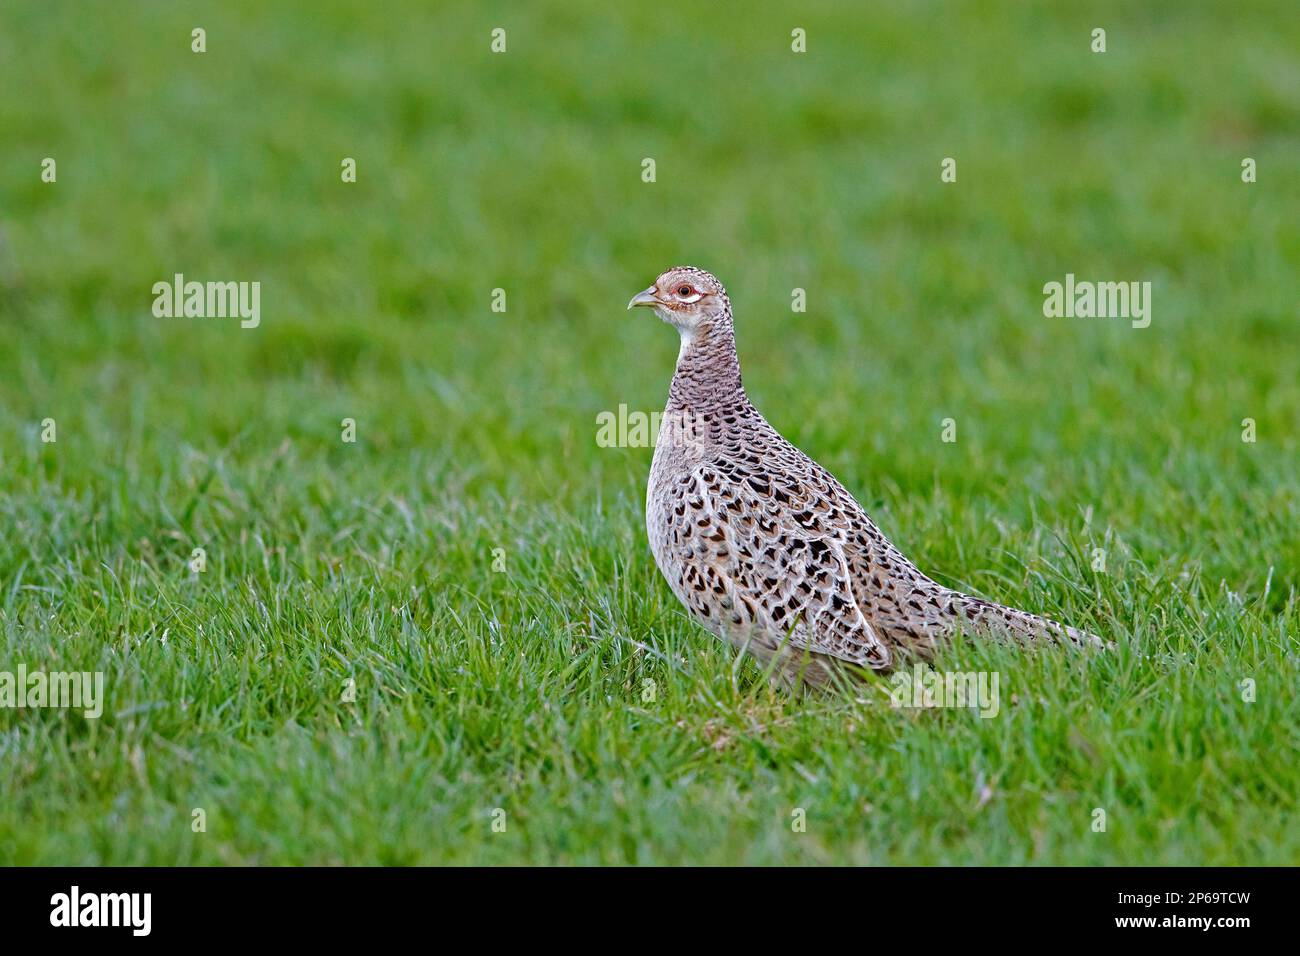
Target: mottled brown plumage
x=762, y=545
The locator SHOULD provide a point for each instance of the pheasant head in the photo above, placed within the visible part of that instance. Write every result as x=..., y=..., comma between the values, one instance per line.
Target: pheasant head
x=687, y=298
x=694, y=301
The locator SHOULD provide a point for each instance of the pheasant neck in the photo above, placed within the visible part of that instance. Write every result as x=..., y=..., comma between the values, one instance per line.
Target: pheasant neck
x=708, y=369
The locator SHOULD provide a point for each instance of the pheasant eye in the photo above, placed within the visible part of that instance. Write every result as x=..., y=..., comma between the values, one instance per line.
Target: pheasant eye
x=684, y=290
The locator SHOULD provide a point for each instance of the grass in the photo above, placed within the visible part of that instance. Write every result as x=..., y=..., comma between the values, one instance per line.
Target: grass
x=525, y=690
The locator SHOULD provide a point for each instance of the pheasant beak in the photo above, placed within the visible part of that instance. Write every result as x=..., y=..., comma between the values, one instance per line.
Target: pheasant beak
x=647, y=297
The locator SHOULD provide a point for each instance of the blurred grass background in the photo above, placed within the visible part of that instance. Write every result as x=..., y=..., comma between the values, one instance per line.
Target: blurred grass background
x=476, y=429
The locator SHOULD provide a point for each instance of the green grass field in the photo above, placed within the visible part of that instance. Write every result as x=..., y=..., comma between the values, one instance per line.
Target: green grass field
x=524, y=689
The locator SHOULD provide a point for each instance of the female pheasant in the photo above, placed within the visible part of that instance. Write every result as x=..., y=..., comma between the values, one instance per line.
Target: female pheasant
x=762, y=545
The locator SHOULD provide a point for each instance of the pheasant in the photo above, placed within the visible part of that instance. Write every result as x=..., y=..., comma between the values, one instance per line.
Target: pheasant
x=763, y=546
